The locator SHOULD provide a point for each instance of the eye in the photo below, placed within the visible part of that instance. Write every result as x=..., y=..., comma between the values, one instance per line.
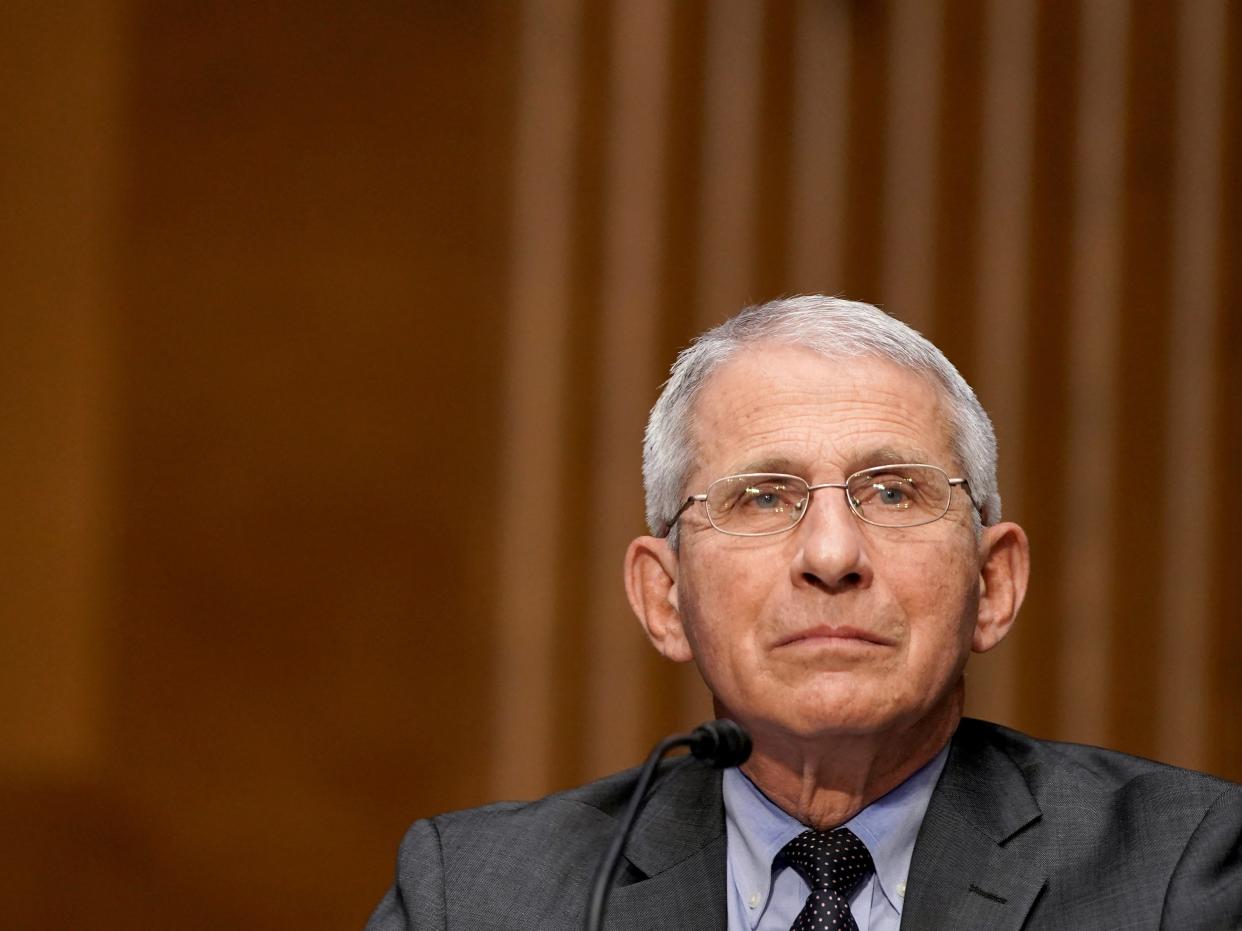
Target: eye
x=900, y=495
x=756, y=503
x=893, y=494
x=769, y=496
x=889, y=491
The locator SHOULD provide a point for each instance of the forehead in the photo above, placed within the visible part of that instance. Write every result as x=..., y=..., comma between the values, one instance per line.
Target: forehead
x=789, y=408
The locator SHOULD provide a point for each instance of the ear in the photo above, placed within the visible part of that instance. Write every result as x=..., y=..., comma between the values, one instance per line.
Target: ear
x=651, y=585
x=1004, y=567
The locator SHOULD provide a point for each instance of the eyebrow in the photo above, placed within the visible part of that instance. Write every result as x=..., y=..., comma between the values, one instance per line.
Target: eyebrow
x=887, y=455
x=880, y=455
x=767, y=464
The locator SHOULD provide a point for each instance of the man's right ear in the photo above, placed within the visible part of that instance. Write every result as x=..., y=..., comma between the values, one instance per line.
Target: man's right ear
x=651, y=584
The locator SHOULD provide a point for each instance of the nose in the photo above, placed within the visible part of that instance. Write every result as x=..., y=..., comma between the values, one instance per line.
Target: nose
x=831, y=551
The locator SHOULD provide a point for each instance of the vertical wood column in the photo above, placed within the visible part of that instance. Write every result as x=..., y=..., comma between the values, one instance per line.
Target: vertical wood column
x=817, y=194
x=628, y=368
x=1089, y=498
x=61, y=94
x=537, y=395
x=911, y=164
x=730, y=146
x=1003, y=286
x=1193, y=476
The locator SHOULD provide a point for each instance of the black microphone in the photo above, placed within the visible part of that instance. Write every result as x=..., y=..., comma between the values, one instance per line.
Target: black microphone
x=720, y=744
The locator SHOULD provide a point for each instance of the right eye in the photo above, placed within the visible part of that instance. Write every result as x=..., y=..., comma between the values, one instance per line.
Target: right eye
x=768, y=496
x=756, y=503
x=761, y=498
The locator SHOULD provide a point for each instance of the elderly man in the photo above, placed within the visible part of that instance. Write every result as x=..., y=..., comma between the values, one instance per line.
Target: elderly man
x=826, y=546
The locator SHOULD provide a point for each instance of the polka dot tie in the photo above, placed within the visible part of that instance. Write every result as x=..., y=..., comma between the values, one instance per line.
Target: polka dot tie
x=834, y=863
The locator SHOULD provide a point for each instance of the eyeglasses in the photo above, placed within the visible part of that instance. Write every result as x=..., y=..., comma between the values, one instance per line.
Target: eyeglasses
x=761, y=503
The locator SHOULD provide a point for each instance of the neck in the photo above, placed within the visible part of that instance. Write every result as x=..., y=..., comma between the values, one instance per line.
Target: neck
x=826, y=780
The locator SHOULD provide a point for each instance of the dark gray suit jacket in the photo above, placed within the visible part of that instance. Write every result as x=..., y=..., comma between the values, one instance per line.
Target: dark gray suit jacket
x=1020, y=833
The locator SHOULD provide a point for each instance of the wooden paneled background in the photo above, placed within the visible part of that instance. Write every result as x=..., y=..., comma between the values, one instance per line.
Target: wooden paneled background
x=328, y=333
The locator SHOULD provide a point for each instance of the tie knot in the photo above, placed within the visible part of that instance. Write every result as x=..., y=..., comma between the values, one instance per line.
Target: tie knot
x=835, y=860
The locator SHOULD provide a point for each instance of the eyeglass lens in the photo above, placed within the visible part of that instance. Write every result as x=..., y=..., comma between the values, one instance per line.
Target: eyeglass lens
x=889, y=496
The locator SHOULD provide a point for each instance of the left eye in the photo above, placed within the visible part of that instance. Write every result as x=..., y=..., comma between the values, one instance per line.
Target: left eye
x=892, y=495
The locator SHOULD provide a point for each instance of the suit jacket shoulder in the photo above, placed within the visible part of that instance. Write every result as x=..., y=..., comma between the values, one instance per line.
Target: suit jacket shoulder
x=530, y=865
x=1019, y=833
x=1037, y=834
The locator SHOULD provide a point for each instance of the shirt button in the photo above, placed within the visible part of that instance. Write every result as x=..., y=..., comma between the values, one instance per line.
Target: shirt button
x=753, y=901
x=901, y=890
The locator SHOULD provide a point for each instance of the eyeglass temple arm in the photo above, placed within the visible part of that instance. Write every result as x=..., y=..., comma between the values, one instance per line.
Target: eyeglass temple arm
x=668, y=524
x=965, y=484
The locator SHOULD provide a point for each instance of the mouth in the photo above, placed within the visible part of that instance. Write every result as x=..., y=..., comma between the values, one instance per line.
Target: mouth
x=828, y=634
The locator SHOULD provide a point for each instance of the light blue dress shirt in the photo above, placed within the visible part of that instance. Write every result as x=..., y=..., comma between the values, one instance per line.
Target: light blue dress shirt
x=762, y=897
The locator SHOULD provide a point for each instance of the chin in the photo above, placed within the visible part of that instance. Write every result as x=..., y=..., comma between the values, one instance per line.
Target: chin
x=820, y=721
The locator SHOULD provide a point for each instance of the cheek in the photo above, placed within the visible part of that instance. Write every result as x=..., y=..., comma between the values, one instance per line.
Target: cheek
x=941, y=604
x=720, y=614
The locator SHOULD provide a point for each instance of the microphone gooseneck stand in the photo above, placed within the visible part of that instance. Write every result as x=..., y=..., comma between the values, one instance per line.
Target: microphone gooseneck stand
x=720, y=744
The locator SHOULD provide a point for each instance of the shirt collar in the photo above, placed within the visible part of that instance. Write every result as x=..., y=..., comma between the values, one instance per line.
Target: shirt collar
x=890, y=825
x=758, y=829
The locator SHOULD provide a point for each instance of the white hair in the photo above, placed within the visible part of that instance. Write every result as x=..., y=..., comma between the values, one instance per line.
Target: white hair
x=835, y=328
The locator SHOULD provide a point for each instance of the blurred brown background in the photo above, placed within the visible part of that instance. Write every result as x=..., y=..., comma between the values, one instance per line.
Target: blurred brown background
x=328, y=335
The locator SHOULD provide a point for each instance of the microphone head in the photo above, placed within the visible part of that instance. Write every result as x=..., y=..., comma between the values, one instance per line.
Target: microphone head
x=720, y=744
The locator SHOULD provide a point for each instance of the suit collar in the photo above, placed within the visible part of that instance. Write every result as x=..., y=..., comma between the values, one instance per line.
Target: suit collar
x=977, y=862
x=676, y=856
x=684, y=813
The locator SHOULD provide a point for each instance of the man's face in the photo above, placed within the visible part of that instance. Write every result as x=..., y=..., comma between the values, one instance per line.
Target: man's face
x=836, y=626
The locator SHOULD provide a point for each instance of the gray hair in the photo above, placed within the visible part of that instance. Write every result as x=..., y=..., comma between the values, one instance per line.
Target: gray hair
x=835, y=328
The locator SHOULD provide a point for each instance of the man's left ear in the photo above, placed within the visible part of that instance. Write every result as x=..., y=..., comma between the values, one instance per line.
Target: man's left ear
x=1004, y=567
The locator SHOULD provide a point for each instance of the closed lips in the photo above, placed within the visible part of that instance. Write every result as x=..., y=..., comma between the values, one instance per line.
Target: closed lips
x=835, y=633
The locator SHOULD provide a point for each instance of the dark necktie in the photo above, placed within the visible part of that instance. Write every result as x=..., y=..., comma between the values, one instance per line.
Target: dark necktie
x=834, y=863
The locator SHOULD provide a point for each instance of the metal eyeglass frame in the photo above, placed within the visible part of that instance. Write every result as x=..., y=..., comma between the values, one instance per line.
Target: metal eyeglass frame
x=811, y=489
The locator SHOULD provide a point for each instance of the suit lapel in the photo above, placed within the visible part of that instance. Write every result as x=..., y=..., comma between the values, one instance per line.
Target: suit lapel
x=974, y=865
x=676, y=857
x=977, y=862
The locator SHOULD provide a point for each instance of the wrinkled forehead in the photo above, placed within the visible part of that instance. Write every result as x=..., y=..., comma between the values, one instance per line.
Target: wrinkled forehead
x=775, y=404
